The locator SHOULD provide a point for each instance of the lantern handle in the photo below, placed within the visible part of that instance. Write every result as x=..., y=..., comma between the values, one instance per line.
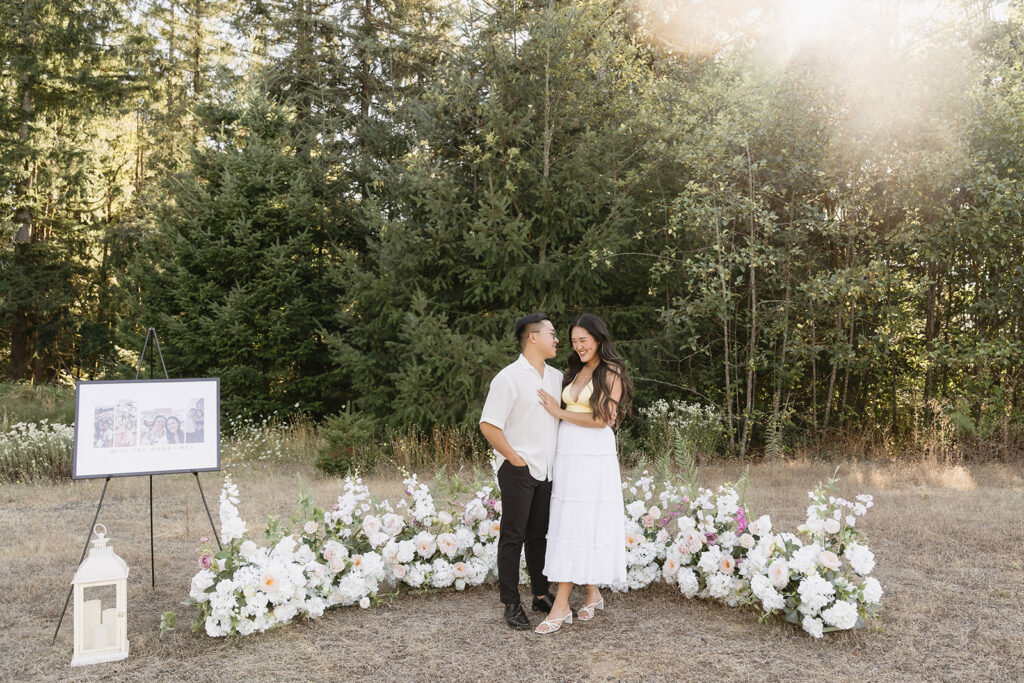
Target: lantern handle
x=96, y=530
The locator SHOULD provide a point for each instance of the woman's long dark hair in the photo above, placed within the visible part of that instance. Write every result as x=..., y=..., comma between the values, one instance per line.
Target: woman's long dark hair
x=609, y=367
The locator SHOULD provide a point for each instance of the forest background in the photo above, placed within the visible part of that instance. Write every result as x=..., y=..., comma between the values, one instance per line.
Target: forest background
x=804, y=216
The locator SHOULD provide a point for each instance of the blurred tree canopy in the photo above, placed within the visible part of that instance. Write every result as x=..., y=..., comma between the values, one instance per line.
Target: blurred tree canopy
x=808, y=215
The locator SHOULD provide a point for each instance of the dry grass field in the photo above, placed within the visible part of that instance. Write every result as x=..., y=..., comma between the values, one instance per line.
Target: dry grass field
x=947, y=540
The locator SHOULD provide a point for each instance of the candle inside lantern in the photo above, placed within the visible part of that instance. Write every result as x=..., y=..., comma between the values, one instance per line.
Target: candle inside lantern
x=99, y=637
x=110, y=624
x=91, y=619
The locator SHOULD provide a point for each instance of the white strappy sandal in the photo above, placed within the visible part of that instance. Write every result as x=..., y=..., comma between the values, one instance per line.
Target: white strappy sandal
x=587, y=612
x=553, y=625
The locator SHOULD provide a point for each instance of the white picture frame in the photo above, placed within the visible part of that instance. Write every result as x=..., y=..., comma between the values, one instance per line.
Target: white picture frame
x=139, y=427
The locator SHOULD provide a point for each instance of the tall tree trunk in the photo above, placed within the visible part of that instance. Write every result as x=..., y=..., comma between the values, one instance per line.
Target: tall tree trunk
x=364, y=63
x=930, y=329
x=814, y=371
x=832, y=374
x=776, y=419
x=197, y=50
x=723, y=281
x=751, y=384
x=846, y=374
x=21, y=348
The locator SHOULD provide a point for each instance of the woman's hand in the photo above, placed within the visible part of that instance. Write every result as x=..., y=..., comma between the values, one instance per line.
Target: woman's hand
x=549, y=403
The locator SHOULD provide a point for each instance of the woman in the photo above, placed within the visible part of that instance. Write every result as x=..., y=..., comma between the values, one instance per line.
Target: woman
x=174, y=433
x=586, y=532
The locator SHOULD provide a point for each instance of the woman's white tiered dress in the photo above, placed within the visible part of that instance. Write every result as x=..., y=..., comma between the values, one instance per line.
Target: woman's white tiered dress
x=586, y=530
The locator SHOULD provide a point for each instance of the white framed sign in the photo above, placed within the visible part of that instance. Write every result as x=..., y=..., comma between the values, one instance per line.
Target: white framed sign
x=149, y=426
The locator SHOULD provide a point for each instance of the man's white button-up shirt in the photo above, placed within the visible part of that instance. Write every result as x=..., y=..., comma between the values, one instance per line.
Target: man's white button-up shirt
x=513, y=406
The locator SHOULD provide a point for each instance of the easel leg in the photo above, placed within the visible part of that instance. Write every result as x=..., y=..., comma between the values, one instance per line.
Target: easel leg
x=152, y=563
x=212, y=525
x=87, y=537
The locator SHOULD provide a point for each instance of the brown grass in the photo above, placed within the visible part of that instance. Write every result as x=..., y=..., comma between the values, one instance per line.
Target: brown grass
x=947, y=542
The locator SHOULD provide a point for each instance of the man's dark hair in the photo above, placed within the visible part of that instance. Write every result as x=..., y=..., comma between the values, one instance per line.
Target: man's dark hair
x=527, y=324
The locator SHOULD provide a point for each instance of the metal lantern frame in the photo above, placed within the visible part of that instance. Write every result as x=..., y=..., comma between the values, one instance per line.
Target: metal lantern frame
x=102, y=568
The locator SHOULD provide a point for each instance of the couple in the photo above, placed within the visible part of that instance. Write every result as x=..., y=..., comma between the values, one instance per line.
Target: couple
x=558, y=470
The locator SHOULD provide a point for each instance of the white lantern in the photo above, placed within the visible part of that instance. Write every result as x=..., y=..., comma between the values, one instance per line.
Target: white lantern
x=101, y=621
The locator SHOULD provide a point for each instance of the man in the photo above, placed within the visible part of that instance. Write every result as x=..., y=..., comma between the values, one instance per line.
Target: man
x=523, y=436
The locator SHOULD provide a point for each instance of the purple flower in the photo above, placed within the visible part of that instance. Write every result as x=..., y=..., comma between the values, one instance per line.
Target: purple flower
x=711, y=538
x=741, y=520
x=206, y=561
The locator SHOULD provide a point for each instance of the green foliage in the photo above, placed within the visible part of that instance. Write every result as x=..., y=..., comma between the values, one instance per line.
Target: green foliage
x=351, y=203
x=347, y=438
x=23, y=402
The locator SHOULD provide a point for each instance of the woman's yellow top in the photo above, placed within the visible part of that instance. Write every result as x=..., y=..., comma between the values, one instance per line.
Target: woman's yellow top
x=582, y=402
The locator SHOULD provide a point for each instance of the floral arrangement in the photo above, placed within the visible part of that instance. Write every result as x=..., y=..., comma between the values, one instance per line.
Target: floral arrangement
x=698, y=540
x=342, y=556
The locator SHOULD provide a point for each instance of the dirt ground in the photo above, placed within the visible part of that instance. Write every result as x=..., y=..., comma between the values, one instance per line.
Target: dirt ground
x=948, y=543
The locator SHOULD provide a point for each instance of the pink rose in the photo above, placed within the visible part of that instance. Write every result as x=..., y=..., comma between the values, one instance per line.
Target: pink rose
x=310, y=527
x=206, y=561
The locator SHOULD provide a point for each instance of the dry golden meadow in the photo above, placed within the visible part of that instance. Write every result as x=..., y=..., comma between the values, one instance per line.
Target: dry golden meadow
x=948, y=542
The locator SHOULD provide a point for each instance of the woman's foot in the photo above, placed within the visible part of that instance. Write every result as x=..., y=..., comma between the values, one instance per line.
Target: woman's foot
x=555, y=620
x=594, y=603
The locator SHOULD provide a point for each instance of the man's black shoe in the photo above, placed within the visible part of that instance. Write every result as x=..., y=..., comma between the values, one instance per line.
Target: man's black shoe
x=543, y=604
x=516, y=617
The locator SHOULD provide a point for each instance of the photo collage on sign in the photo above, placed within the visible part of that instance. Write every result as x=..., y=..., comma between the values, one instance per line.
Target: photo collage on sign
x=119, y=425
x=116, y=426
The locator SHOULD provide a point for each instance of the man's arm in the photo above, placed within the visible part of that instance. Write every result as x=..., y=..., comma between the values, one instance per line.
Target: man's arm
x=498, y=442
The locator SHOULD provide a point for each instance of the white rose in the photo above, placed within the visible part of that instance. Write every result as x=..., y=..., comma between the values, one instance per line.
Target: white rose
x=761, y=526
x=829, y=559
x=654, y=512
x=247, y=549
x=364, y=602
x=747, y=541
x=832, y=526
x=636, y=509
x=393, y=524
x=371, y=525
x=778, y=572
x=444, y=518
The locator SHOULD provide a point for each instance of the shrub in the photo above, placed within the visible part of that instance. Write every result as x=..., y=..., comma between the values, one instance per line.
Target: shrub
x=687, y=429
x=347, y=438
x=31, y=452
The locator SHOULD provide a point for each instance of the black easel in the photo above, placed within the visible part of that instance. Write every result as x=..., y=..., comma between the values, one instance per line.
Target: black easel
x=152, y=563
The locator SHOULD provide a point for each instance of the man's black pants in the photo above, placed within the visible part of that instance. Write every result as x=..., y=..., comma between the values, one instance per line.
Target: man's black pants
x=525, y=505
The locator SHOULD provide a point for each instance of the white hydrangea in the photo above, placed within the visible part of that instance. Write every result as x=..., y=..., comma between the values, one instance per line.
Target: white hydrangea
x=872, y=591
x=770, y=598
x=861, y=558
x=842, y=615
x=815, y=593
x=814, y=626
